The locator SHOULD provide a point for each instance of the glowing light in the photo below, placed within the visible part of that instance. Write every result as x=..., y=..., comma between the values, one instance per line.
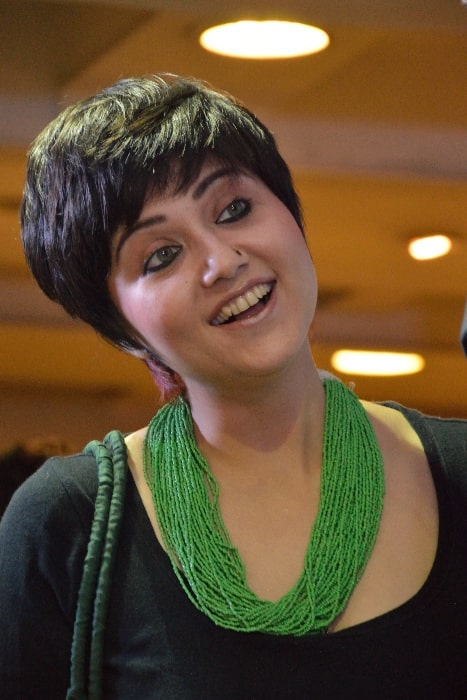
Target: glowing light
x=377, y=363
x=264, y=39
x=430, y=247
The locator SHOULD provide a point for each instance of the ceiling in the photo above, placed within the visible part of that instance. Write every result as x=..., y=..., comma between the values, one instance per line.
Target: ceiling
x=374, y=128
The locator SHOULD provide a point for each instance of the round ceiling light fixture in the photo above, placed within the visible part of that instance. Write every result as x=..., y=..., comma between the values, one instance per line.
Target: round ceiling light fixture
x=377, y=363
x=430, y=247
x=264, y=39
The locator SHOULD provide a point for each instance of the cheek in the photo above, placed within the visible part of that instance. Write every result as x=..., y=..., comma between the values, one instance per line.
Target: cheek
x=160, y=321
x=126, y=304
x=154, y=315
x=301, y=267
x=130, y=304
x=293, y=249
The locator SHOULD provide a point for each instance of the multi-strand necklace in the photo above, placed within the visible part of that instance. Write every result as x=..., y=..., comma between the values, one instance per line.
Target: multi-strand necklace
x=209, y=567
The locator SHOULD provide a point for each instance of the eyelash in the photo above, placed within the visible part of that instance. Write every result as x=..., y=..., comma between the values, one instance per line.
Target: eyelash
x=246, y=203
x=174, y=250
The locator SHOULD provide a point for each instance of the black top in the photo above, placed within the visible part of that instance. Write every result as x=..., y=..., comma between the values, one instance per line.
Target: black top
x=158, y=645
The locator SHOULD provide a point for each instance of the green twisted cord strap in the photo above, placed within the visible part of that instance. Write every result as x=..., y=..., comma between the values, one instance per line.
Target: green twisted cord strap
x=94, y=591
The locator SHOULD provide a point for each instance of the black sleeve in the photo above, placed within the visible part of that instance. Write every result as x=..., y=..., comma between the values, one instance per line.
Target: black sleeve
x=445, y=443
x=451, y=440
x=43, y=538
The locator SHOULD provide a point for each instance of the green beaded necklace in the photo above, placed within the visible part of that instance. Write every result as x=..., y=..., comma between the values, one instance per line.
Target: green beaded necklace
x=208, y=566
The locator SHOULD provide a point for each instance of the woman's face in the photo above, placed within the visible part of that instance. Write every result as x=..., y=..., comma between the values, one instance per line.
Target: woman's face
x=217, y=281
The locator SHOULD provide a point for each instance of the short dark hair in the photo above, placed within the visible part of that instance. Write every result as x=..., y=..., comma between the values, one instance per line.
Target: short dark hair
x=93, y=167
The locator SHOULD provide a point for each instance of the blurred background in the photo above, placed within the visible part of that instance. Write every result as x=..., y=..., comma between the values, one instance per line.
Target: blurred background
x=374, y=128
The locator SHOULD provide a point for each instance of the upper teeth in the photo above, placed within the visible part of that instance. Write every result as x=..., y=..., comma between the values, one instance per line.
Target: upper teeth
x=243, y=302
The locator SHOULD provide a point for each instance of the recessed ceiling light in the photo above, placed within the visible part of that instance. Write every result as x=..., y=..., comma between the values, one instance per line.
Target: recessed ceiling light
x=377, y=363
x=430, y=247
x=264, y=39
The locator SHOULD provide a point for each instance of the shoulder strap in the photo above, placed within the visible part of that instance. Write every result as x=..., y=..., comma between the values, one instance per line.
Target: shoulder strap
x=94, y=592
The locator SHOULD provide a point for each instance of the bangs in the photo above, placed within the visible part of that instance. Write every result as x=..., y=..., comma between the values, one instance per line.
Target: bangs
x=169, y=154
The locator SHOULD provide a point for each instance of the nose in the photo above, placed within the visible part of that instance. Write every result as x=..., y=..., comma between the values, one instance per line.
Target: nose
x=222, y=261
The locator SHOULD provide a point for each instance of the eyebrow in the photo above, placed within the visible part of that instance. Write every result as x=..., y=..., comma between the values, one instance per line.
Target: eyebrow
x=197, y=193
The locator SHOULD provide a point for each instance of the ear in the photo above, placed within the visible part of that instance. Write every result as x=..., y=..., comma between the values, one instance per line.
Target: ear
x=169, y=383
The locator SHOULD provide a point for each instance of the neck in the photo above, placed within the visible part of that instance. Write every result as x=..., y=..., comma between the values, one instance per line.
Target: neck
x=273, y=416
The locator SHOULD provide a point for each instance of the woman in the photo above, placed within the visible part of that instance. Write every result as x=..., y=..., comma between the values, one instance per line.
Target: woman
x=278, y=538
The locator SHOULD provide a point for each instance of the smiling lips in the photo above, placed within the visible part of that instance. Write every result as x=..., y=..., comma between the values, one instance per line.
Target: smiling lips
x=230, y=312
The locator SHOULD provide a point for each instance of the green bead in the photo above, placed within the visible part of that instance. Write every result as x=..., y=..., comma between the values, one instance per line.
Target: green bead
x=208, y=566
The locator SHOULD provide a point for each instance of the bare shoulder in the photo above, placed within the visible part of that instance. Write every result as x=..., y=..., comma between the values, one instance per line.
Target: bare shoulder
x=406, y=544
x=135, y=444
x=391, y=427
x=408, y=478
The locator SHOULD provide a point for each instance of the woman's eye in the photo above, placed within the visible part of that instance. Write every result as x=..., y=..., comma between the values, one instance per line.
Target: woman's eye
x=236, y=210
x=162, y=257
